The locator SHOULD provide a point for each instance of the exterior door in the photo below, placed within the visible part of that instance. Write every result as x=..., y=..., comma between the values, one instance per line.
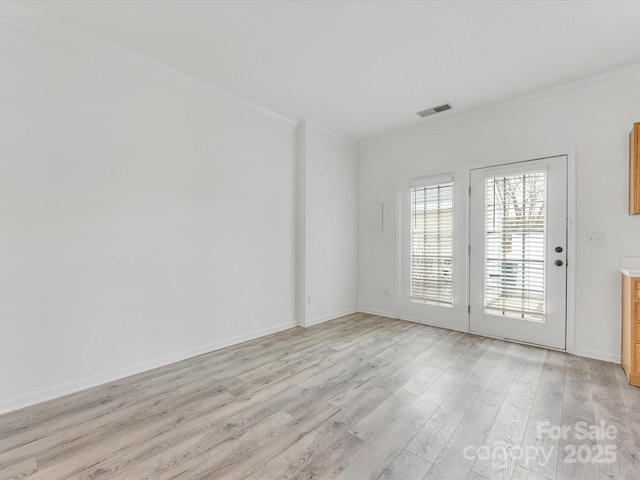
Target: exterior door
x=518, y=241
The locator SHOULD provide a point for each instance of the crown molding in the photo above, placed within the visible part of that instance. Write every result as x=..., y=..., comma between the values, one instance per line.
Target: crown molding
x=328, y=134
x=455, y=119
x=28, y=19
x=21, y=16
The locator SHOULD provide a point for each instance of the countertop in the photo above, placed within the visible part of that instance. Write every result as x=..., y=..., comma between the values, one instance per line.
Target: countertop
x=630, y=266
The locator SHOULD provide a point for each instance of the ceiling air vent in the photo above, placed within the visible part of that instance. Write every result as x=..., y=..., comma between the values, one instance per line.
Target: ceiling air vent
x=434, y=110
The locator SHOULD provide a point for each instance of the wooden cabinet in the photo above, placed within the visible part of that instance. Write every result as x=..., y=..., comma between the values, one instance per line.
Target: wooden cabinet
x=631, y=328
x=634, y=170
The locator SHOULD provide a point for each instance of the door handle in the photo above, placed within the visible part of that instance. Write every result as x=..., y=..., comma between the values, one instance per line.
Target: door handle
x=559, y=263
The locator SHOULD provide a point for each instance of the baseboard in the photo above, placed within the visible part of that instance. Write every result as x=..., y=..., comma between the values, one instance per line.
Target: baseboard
x=22, y=401
x=331, y=316
x=380, y=313
x=9, y=405
x=597, y=355
x=581, y=352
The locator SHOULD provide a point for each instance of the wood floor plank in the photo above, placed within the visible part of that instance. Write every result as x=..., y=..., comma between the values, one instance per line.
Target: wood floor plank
x=505, y=438
x=108, y=458
x=610, y=412
x=212, y=455
x=406, y=466
x=546, y=411
x=355, y=398
x=311, y=447
x=329, y=463
x=578, y=407
x=455, y=460
x=522, y=473
x=499, y=374
x=376, y=457
x=578, y=398
x=412, y=390
x=21, y=468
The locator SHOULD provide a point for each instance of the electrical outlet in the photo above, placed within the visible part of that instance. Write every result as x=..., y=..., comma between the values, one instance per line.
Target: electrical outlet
x=308, y=298
x=595, y=239
x=386, y=292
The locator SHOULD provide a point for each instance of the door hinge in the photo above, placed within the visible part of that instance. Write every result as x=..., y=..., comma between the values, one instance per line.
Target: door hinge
x=469, y=190
x=469, y=249
x=469, y=309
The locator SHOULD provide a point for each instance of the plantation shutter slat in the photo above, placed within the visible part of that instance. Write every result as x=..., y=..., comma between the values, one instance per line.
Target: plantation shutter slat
x=432, y=243
x=515, y=232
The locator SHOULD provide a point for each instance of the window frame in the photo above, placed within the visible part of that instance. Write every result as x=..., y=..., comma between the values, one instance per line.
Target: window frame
x=431, y=182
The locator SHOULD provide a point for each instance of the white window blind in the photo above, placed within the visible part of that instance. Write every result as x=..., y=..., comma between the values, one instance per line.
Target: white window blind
x=515, y=233
x=432, y=243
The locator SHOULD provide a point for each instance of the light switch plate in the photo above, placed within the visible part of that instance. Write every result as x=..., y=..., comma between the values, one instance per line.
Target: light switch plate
x=595, y=239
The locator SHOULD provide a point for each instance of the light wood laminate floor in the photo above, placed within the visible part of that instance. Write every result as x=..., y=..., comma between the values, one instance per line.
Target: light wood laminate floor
x=355, y=398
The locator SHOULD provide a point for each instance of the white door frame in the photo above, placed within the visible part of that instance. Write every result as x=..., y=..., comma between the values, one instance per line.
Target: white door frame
x=570, y=153
x=551, y=331
x=462, y=177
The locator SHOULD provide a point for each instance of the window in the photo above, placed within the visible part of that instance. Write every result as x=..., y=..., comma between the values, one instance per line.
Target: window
x=431, y=248
x=515, y=228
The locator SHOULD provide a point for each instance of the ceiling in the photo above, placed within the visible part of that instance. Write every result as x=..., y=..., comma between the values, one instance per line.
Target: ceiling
x=363, y=68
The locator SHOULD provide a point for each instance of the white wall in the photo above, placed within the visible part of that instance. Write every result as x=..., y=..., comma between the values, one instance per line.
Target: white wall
x=328, y=170
x=139, y=223
x=596, y=122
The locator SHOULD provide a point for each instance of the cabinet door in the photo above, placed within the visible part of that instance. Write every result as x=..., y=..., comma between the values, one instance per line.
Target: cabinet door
x=634, y=170
x=635, y=326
